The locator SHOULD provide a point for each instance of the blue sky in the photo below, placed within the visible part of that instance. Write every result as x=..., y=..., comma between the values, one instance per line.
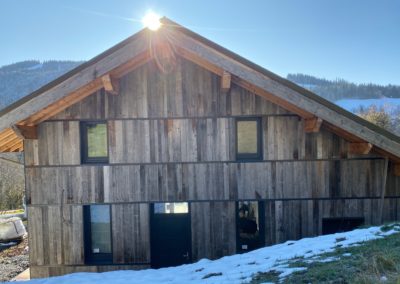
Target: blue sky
x=355, y=40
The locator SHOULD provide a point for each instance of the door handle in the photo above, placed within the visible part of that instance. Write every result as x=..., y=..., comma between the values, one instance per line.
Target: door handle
x=186, y=255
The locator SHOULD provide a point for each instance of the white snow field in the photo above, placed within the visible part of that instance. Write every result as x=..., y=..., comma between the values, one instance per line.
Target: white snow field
x=233, y=269
x=389, y=104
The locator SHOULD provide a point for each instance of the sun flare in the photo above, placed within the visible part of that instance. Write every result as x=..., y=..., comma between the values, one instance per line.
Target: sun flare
x=152, y=21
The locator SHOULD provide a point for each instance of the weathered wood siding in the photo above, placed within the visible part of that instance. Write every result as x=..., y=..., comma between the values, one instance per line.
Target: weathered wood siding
x=172, y=138
x=205, y=181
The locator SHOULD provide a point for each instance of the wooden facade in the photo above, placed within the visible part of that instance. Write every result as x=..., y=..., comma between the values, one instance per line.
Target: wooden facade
x=172, y=138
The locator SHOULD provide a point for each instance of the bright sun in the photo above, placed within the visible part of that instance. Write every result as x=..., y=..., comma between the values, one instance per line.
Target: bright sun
x=152, y=21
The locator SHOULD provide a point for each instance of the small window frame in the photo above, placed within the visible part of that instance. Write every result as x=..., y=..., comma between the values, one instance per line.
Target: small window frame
x=250, y=156
x=90, y=257
x=85, y=159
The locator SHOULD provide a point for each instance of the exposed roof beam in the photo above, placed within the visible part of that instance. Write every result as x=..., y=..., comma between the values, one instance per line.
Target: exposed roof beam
x=9, y=138
x=25, y=132
x=111, y=84
x=5, y=147
x=359, y=148
x=6, y=134
x=295, y=95
x=18, y=147
x=312, y=125
x=242, y=83
x=225, y=81
x=101, y=65
x=85, y=91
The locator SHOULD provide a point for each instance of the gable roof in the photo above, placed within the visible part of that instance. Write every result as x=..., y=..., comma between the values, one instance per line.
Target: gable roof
x=134, y=51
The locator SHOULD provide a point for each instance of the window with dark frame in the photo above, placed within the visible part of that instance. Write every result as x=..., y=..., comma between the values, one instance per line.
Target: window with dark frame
x=250, y=225
x=94, y=144
x=248, y=139
x=97, y=233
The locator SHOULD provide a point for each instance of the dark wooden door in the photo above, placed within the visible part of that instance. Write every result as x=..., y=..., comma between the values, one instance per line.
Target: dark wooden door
x=170, y=239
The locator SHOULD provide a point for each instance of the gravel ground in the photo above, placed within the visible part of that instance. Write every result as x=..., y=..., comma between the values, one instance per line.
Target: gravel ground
x=14, y=260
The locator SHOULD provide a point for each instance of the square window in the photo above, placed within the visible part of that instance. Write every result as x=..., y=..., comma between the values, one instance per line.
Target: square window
x=248, y=139
x=94, y=143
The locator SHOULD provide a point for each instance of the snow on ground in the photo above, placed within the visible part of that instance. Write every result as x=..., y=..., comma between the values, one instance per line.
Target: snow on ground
x=237, y=268
x=351, y=104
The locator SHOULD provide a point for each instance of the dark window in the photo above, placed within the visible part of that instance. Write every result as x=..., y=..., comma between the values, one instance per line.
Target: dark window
x=94, y=142
x=250, y=225
x=248, y=139
x=97, y=227
x=338, y=225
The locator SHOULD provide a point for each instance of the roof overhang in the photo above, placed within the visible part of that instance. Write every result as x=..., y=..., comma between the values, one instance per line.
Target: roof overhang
x=136, y=50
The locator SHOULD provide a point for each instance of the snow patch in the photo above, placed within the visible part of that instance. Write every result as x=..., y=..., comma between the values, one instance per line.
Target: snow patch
x=235, y=269
x=351, y=104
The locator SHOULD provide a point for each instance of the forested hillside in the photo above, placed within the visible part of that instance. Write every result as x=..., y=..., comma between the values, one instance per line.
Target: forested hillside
x=20, y=79
x=342, y=89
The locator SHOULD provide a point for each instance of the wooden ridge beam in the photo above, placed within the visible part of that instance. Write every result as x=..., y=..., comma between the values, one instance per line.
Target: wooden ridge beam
x=225, y=81
x=359, y=148
x=25, y=132
x=110, y=84
x=312, y=125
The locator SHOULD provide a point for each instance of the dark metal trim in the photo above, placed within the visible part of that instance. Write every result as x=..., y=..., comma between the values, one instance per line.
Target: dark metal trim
x=220, y=200
x=170, y=117
x=208, y=162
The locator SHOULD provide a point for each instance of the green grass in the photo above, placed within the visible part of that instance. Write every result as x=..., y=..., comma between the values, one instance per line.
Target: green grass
x=368, y=263
x=16, y=211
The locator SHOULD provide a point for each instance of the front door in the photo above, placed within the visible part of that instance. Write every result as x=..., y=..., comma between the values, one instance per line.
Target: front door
x=170, y=234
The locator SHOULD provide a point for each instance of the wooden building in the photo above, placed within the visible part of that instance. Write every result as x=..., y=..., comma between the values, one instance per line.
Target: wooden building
x=168, y=148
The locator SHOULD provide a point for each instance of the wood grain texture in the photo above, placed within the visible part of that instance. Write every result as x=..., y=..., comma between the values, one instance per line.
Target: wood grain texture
x=131, y=233
x=206, y=181
x=213, y=230
x=56, y=236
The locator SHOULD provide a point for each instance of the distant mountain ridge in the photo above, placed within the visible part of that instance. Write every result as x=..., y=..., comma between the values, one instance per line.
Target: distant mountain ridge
x=20, y=79
x=334, y=90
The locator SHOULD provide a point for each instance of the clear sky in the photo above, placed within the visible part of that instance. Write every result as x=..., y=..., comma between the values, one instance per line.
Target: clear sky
x=358, y=40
